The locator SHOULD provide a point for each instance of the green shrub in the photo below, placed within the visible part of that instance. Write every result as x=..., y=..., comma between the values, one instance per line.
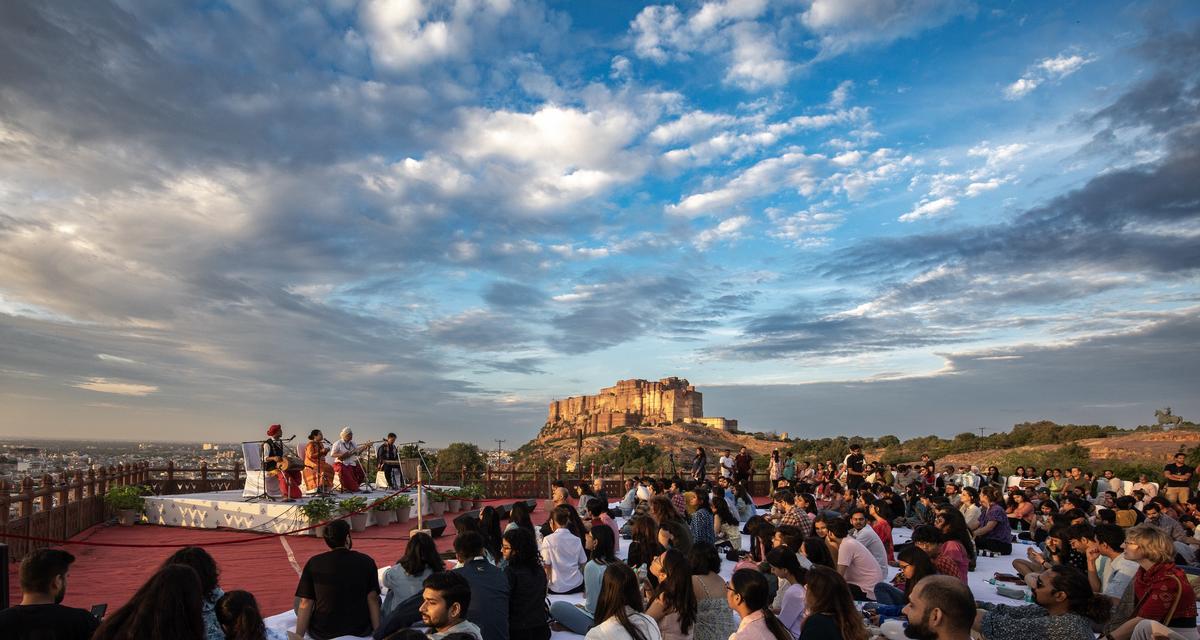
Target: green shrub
x=352, y=505
x=126, y=497
x=318, y=509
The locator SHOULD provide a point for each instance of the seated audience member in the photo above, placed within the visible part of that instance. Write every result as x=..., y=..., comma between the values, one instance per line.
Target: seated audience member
x=674, y=534
x=563, y=554
x=831, y=612
x=814, y=551
x=940, y=608
x=915, y=566
x=206, y=568
x=620, y=610
x=1117, y=571
x=526, y=587
x=950, y=523
x=749, y=595
x=1185, y=545
x=1065, y=609
x=948, y=556
x=406, y=578
x=1127, y=514
x=880, y=516
x=630, y=500
x=726, y=525
x=792, y=607
x=603, y=547
x=1161, y=591
x=968, y=506
x=673, y=603
x=599, y=512
x=489, y=529
x=338, y=589
x=169, y=605
x=240, y=619
x=643, y=542
x=993, y=534
x=791, y=514
x=854, y=562
x=445, y=599
x=869, y=539
x=519, y=516
x=489, y=587
x=43, y=580
x=700, y=516
x=714, y=618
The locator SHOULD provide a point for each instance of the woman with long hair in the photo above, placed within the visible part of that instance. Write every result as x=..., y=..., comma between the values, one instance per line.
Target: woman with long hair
x=700, y=516
x=953, y=526
x=602, y=546
x=662, y=510
x=816, y=550
x=725, y=523
x=831, y=612
x=403, y=579
x=489, y=528
x=714, y=618
x=993, y=534
x=205, y=567
x=762, y=537
x=519, y=516
x=775, y=468
x=744, y=502
x=915, y=564
x=880, y=515
x=526, y=585
x=749, y=595
x=1021, y=514
x=786, y=567
x=968, y=506
x=168, y=605
x=643, y=543
x=583, y=492
x=673, y=605
x=240, y=619
x=674, y=535
x=620, y=610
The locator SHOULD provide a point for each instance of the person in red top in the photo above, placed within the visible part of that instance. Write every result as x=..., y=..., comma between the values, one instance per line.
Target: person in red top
x=1161, y=591
x=948, y=556
x=880, y=513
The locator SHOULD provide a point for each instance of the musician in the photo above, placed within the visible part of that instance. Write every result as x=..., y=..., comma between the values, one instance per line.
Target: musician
x=274, y=458
x=345, y=456
x=317, y=472
x=389, y=461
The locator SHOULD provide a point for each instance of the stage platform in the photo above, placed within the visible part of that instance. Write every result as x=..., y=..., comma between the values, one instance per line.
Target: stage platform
x=229, y=510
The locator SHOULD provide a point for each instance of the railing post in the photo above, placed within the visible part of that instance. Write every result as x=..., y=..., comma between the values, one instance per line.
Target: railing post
x=169, y=485
x=204, y=475
x=512, y=483
x=47, y=491
x=237, y=473
x=91, y=482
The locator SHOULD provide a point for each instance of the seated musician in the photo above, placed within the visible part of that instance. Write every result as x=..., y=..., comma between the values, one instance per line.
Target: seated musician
x=345, y=456
x=317, y=472
x=281, y=466
x=389, y=461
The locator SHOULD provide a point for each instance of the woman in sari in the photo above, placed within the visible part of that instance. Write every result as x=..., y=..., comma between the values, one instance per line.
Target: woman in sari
x=316, y=470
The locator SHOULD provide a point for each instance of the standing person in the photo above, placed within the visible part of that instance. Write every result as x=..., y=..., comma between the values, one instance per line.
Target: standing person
x=993, y=534
x=338, y=589
x=673, y=605
x=855, y=464
x=726, y=464
x=714, y=618
x=749, y=595
x=206, y=568
x=620, y=609
x=1179, y=477
x=854, y=561
x=527, y=586
x=579, y=619
x=240, y=618
x=388, y=457
x=831, y=611
x=1065, y=609
x=940, y=608
x=43, y=579
x=346, y=466
x=406, y=578
x=275, y=455
x=445, y=599
x=167, y=606
x=742, y=465
x=562, y=553
x=699, y=463
x=789, y=467
x=775, y=468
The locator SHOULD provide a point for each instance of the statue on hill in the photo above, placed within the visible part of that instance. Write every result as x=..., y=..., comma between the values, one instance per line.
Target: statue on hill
x=1165, y=417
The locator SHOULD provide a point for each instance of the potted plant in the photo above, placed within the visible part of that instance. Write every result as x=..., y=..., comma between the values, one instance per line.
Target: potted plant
x=454, y=500
x=356, y=508
x=127, y=501
x=476, y=493
x=404, y=506
x=437, y=503
x=385, y=511
x=318, y=510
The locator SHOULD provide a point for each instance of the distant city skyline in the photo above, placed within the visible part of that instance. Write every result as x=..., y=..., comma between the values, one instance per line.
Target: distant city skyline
x=834, y=217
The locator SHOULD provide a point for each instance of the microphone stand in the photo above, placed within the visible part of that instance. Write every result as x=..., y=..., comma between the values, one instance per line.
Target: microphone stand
x=262, y=469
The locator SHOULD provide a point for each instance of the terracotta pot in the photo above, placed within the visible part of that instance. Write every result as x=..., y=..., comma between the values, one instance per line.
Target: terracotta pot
x=128, y=517
x=358, y=521
x=455, y=505
x=319, y=532
x=437, y=508
x=384, y=518
x=403, y=514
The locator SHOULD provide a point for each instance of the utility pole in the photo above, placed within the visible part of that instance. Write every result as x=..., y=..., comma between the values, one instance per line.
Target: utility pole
x=499, y=448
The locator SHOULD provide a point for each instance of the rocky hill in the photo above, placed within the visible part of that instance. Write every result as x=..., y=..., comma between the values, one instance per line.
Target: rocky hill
x=1142, y=448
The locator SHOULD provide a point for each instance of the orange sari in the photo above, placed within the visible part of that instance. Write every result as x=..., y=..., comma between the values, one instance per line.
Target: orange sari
x=315, y=465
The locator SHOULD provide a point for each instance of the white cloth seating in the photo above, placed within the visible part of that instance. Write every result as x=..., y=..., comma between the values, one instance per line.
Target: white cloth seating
x=252, y=457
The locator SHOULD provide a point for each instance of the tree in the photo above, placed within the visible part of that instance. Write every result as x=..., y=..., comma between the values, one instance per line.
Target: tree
x=461, y=454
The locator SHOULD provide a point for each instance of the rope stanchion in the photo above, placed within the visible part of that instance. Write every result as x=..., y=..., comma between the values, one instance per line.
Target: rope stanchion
x=257, y=537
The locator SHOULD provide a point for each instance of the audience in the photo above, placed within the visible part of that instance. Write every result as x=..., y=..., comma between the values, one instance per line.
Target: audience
x=240, y=619
x=868, y=538
x=915, y=566
x=489, y=587
x=338, y=590
x=855, y=563
x=673, y=603
x=43, y=580
x=602, y=546
x=169, y=605
x=786, y=567
x=749, y=595
x=620, y=609
x=948, y=556
x=1161, y=590
x=526, y=586
x=831, y=612
x=563, y=554
x=1065, y=609
x=445, y=599
x=205, y=567
x=714, y=618
x=940, y=608
x=407, y=577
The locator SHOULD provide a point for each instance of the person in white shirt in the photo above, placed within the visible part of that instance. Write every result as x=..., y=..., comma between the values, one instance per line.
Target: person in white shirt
x=855, y=563
x=620, y=609
x=563, y=554
x=1147, y=487
x=1117, y=571
x=861, y=531
x=726, y=464
x=1109, y=482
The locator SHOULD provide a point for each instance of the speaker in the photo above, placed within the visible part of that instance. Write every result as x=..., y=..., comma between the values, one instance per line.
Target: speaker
x=531, y=503
x=503, y=511
x=435, y=526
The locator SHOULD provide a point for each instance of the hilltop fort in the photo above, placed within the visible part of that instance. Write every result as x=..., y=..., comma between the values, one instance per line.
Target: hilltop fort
x=633, y=403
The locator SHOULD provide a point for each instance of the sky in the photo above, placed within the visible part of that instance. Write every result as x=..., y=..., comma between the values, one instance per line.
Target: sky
x=434, y=217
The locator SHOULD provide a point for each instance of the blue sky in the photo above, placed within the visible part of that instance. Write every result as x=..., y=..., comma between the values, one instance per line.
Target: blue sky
x=907, y=216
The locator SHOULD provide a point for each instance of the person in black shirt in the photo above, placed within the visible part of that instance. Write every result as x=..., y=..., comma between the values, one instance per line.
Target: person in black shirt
x=389, y=461
x=41, y=614
x=489, y=607
x=855, y=467
x=338, y=590
x=1179, y=477
x=527, y=586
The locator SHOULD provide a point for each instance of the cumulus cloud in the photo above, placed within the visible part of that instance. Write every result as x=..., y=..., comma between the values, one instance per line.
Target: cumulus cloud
x=793, y=169
x=805, y=229
x=727, y=231
x=929, y=208
x=843, y=25
x=1045, y=70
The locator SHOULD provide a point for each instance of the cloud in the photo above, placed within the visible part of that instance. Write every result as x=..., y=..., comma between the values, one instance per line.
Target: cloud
x=1043, y=71
x=805, y=229
x=929, y=209
x=792, y=169
x=103, y=385
x=843, y=25
x=513, y=295
x=727, y=231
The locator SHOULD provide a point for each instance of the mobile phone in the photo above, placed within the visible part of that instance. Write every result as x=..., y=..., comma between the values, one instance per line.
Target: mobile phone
x=98, y=610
